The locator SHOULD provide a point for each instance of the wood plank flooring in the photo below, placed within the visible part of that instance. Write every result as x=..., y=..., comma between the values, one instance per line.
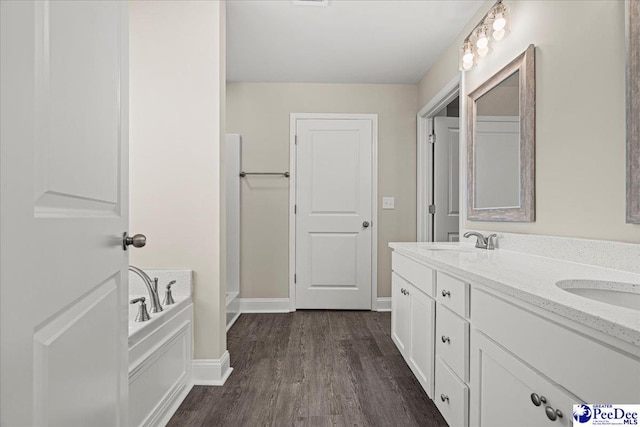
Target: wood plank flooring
x=312, y=368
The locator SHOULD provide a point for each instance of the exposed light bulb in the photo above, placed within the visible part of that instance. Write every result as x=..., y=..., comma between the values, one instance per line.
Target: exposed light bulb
x=482, y=39
x=467, y=65
x=468, y=57
x=467, y=52
x=483, y=51
x=500, y=22
x=499, y=34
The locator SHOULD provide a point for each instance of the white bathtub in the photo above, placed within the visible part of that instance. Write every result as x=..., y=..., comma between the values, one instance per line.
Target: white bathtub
x=160, y=350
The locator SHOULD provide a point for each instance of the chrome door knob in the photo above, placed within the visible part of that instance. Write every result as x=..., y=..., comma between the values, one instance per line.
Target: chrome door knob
x=137, y=241
x=366, y=224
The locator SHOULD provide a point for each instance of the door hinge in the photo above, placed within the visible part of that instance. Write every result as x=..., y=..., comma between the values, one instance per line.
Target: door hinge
x=295, y=139
x=432, y=138
x=295, y=278
x=295, y=209
x=432, y=209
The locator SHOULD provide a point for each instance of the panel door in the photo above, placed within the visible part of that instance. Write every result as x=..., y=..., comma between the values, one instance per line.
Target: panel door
x=422, y=323
x=446, y=179
x=64, y=170
x=502, y=388
x=334, y=210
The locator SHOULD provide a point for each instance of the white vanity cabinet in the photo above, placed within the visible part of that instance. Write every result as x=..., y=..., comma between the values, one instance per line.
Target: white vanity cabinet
x=400, y=314
x=412, y=318
x=488, y=359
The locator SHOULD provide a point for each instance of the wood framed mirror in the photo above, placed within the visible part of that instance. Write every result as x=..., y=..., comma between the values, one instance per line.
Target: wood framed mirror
x=632, y=27
x=501, y=144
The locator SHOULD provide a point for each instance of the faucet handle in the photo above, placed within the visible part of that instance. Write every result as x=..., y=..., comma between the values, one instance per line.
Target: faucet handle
x=143, y=314
x=491, y=244
x=168, y=297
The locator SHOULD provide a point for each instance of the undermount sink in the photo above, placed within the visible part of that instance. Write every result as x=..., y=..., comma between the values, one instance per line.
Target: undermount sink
x=614, y=293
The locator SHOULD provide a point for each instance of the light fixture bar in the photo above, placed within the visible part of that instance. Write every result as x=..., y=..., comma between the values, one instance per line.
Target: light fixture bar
x=493, y=27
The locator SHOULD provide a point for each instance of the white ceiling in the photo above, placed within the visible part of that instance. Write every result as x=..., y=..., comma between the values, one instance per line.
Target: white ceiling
x=349, y=41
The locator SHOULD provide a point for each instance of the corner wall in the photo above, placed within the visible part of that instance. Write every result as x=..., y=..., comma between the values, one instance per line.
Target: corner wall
x=260, y=113
x=177, y=104
x=580, y=117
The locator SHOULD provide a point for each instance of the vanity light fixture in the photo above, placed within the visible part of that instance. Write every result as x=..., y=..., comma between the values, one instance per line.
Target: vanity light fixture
x=468, y=56
x=493, y=27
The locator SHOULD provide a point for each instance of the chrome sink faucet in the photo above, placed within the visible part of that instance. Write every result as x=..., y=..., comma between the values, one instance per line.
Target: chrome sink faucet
x=481, y=241
x=152, y=287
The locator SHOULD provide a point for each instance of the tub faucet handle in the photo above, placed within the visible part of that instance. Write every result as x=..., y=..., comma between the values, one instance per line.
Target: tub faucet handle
x=143, y=314
x=168, y=298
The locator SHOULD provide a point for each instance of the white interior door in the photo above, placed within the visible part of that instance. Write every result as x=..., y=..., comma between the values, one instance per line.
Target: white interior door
x=446, y=179
x=64, y=113
x=334, y=182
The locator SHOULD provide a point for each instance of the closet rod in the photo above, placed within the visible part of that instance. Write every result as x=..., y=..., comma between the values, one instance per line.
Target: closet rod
x=243, y=173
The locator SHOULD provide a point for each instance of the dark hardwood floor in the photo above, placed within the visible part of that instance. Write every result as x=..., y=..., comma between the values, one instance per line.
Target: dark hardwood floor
x=312, y=368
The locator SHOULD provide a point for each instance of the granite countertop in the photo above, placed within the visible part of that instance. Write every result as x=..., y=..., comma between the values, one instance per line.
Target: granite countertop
x=533, y=279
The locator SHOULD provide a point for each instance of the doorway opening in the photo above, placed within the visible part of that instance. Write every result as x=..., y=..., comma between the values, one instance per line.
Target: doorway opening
x=438, y=185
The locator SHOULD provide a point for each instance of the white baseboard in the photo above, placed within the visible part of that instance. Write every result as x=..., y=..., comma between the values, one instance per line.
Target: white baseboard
x=211, y=371
x=165, y=412
x=383, y=304
x=233, y=320
x=264, y=305
x=281, y=305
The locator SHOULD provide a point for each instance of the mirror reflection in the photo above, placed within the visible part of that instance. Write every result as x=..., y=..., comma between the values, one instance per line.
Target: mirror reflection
x=497, y=146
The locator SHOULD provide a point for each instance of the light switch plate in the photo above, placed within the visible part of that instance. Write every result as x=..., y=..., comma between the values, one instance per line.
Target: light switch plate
x=388, y=203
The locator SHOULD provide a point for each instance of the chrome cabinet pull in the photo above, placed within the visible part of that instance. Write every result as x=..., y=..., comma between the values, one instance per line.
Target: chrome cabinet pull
x=535, y=399
x=366, y=224
x=552, y=414
x=444, y=397
x=446, y=293
x=446, y=339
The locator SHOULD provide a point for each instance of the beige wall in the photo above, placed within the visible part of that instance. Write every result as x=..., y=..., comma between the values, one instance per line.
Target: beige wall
x=580, y=139
x=176, y=119
x=260, y=113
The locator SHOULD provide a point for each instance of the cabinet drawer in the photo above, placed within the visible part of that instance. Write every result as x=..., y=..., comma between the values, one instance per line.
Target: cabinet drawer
x=558, y=352
x=453, y=293
x=451, y=396
x=452, y=341
x=419, y=275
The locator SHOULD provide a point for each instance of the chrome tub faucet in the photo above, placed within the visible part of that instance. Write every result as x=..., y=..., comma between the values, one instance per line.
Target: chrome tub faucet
x=152, y=287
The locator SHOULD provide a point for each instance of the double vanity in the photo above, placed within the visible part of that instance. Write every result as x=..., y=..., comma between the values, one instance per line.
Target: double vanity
x=503, y=338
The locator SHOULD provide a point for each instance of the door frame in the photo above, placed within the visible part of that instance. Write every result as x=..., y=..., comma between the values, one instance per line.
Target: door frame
x=293, y=118
x=424, y=184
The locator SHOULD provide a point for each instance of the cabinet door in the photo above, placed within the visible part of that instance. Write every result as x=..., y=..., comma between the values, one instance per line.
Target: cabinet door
x=422, y=319
x=400, y=324
x=502, y=388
